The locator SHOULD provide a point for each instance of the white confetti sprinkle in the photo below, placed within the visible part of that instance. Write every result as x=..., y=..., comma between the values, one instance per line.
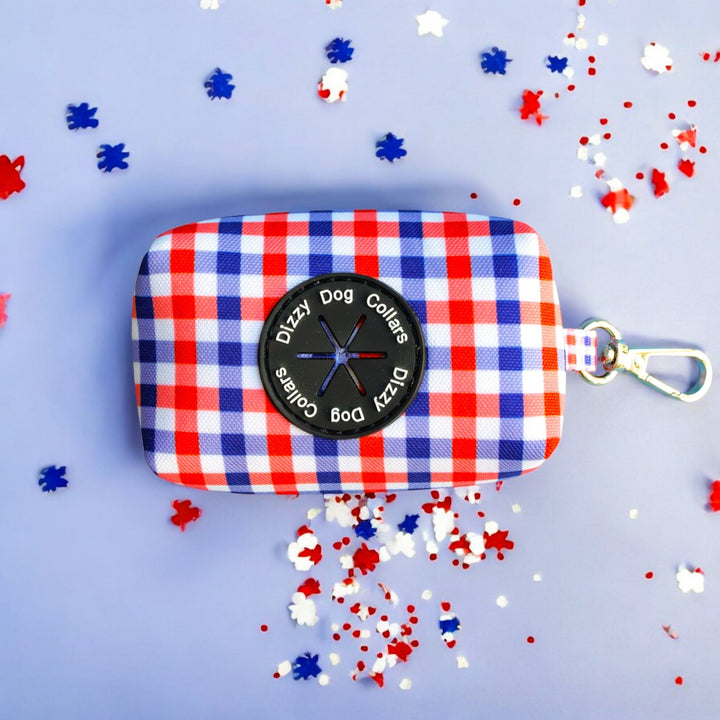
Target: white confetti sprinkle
x=210, y=4
x=614, y=184
x=323, y=679
x=338, y=511
x=516, y=508
x=576, y=191
x=634, y=514
x=431, y=22
x=334, y=659
x=594, y=139
x=284, y=668
x=303, y=610
x=462, y=662
x=491, y=527
x=582, y=153
x=690, y=580
x=581, y=43
x=334, y=4
x=602, y=39
x=621, y=216
x=405, y=684
x=501, y=601
x=426, y=594
x=443, y=522
x=312, y=513
x=599, y=159
x=333, y=86
x=537, y=577
x=656, y=58
x=568, y=72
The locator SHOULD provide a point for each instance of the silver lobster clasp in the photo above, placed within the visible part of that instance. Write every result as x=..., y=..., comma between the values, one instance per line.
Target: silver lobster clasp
x=617, y=356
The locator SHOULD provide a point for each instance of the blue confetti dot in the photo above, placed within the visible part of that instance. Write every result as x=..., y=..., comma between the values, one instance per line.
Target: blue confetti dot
x=450, y=625
x=81, y=116
x=390, y=148
x=112, y=157
x=556, y=64
x=339, y=51
x=365, y=529
x=218, y=85
x=494, y=62
x=409, y=524
x=306, y=666
x=52, y=478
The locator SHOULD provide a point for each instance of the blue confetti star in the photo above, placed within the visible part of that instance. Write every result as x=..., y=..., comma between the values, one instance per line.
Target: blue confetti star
x=81, y=116
x=339, y=51
x=409, y=524
x=306, y=666
x=450, y=625
x=52, y=478
x=218, y=85
x=494, y=62
x=112, y=157
x=556, y=64
x=365, y=530
x=390, y=148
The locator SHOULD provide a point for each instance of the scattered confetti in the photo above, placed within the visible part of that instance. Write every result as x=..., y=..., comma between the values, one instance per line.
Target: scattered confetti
x=81, y=116
x=530, y=639
x=390, y=148
x=558, y=65
x=494, y=62
x=218, y=85
x=656, y=58
x=312, y=513
x=303, y=610
x=679, y=680
x=52, y=478
x=4, y=298
x=576, y=191
x=690, y=580
x=634, y=514
x=431, y=22
x=449, y=624
x=339, y=50
x=537, y=577
x=405, y=684
x=10, y=180
x=531, y=106
x=306, y=551
x=706, y=56
x=112, y=157
x=659, y=183
x=306, y=666
x=333, y=4
x=618, y=201
x=670, y=632
x=283, y=669
x=462, y=662
x=185, y=512
x=409, y=524
x=714, y=499
x=333, y=85
x=501, y=601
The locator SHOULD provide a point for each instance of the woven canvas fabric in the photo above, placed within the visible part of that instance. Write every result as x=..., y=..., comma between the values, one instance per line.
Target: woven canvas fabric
x=491, y=402
x=580, y=350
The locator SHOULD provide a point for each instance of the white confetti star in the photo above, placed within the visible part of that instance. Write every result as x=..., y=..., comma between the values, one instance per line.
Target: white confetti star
x=431, y=23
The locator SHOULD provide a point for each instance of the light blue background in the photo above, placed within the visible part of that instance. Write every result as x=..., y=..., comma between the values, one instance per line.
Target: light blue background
x=106, y=609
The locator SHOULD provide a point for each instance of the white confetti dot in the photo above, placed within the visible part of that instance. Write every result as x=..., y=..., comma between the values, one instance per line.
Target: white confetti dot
x=576, y=191
x=517, y=508
x=633, y=514
x=537, y=577
x=602, y=39
x=581, y=43
x=462, y=662
x=323, y=679
x=582, y=153
x=690, y=580
x=621, y=216
x=405, y=684
x=334, y=658
x=426, y=594
x=284, y=668
x=594, y=139
x=312, y=513
x=502, y=601
x=599, y=159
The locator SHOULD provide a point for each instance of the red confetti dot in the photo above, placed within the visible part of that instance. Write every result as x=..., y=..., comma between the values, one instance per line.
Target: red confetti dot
x=581, y=3
x=336, y=636
x=557, y=95
x=473, y=196
x=672, y=116
x=664, y=146
x=706, y=56
x=679, y=680
x=411, y=609
x=592, y=71
x=341, y=600
x=481, y=513
x=263, y=628
x=607, y=136
x=639, y=175
x=337, y=545
x=603, y=121
x=415, y=643
x=649, y=575
x=570, y=88
x=591, y=59
x=584, y=140
x=347, y=626
x=360, y=665
x=691, y=103
x=455, y=562
x=702, y=149
x=276, y=675
x=627, y=104
x=356, y=634
x=445, y=606
x=414, y=620
x=346, y=541
x=432, y=556
x=530, y=639
x=384, y=618
x=516, y=202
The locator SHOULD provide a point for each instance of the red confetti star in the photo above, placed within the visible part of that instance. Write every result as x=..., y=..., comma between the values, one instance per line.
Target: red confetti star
x=714, y=499
x=313, y=554
x=688, y=136
x=185, y=513
x=660, y=185
x=531, y=106
x=400, y=649
x=618, y=199
x=686, y=167
x=310, y=587
x=498, y=541
x=10, y=180
x=365, y=559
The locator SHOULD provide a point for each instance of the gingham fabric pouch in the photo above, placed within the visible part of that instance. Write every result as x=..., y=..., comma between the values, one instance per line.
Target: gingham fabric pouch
x=268, y=357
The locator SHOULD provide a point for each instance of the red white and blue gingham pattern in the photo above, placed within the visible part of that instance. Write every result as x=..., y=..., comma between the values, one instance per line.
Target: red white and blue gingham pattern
x=491, y=402
x=580, y=350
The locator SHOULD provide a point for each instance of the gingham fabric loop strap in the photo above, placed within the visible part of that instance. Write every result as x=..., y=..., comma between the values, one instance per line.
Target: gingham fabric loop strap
x=580, y=350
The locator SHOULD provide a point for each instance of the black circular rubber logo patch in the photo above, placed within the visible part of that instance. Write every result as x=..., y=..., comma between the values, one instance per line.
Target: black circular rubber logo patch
x=342, y=355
